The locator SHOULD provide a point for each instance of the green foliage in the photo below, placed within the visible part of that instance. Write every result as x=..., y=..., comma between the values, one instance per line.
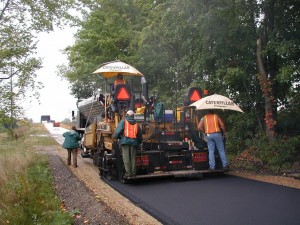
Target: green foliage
x=32, y=200
x=279, y=153
x=289, y=122
x=43, y=140
x=20, y=21
x=75, y=212
x=241, y=127
x=261, y=154
x=28, y=196
x=110, y=32
x=210, y=44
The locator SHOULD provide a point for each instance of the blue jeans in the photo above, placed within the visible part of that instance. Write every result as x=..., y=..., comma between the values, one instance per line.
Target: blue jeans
x=216, y=140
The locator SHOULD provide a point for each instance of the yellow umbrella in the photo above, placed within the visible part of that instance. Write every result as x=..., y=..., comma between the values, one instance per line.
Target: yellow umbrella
x=112, y=69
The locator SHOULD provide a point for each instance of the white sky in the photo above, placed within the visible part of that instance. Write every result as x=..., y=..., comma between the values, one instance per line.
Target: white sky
x=55, y=97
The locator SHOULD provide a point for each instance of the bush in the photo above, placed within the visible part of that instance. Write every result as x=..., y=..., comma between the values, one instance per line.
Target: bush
x=26, y=190
x=273, y=156
x=280, y=153
x=30, y=198
x=242, y=129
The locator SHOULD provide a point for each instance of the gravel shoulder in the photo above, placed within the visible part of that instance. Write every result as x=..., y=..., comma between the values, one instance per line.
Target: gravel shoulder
x=279, y=180
x=92, y=201
x=83, y=193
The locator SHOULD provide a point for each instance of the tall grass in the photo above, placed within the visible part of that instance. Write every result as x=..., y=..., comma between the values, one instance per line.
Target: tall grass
x=28, y=196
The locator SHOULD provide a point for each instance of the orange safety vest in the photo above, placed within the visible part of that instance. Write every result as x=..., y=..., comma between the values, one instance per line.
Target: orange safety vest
x=130, y=130
x=119, y=81
x=211, y=124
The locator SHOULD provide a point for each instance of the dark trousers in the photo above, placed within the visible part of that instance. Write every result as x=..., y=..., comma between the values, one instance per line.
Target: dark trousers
x=74, y=153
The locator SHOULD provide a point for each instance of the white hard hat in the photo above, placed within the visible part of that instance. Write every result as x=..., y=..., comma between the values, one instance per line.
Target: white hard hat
x=129, y=113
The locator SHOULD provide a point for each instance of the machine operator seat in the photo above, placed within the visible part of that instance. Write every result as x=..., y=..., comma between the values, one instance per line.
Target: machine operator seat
x=122, y=97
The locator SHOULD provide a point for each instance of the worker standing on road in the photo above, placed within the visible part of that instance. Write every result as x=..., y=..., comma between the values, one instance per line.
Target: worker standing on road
x=71, y=144
x=212, y=125
x=131, y=136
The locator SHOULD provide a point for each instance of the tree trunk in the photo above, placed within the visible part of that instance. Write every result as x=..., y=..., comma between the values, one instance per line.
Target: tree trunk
x=266, y=87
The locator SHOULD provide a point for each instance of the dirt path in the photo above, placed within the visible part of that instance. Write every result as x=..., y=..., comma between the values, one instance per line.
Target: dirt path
x=279, y=180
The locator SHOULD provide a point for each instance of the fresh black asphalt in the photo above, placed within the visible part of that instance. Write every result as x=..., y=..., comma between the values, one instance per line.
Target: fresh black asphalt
x=225, y=200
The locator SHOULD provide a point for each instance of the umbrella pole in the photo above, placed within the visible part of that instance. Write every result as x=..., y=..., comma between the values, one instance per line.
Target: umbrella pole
x=105, y=101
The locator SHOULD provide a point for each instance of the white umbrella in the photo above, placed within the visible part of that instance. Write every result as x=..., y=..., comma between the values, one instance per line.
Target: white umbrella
x=112, y=69
x=216, y=101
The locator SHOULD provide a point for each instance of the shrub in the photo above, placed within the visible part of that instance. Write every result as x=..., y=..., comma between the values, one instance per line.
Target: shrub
x=31, y=198
x=27, y=194
x=280, y=153
x=273, y=156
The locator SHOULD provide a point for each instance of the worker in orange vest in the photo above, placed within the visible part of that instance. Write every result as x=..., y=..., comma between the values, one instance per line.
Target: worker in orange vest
x=130, y=135
x=212, y=125
x=119, y=80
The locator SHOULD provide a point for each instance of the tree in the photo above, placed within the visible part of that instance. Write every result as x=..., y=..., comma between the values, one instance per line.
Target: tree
x=19, y=22
x=211, y=44
x=17, y=69
x=108, y=33
x=277, y=55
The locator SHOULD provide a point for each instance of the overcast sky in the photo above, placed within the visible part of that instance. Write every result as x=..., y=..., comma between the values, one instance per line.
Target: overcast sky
x=55, y=98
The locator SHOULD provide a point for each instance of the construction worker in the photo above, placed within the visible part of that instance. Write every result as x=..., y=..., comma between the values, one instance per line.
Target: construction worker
x=212, y=125
x=71, y=144
x=130, y=134
x=119, y=80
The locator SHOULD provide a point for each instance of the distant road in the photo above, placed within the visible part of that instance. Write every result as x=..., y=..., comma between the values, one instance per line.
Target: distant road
x=56, y=132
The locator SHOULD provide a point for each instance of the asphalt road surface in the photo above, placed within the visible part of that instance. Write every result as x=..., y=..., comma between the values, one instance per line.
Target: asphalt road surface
x=215, y=200
x=226, y=200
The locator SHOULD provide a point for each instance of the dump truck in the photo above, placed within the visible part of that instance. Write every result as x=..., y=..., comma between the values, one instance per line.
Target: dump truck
x=45, y=118
x=172, y=146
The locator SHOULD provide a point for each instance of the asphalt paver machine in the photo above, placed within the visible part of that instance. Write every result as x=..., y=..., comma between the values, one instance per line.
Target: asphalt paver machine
x=172, y=145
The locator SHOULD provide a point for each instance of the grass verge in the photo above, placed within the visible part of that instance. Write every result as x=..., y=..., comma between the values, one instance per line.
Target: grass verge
x=26, y=189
